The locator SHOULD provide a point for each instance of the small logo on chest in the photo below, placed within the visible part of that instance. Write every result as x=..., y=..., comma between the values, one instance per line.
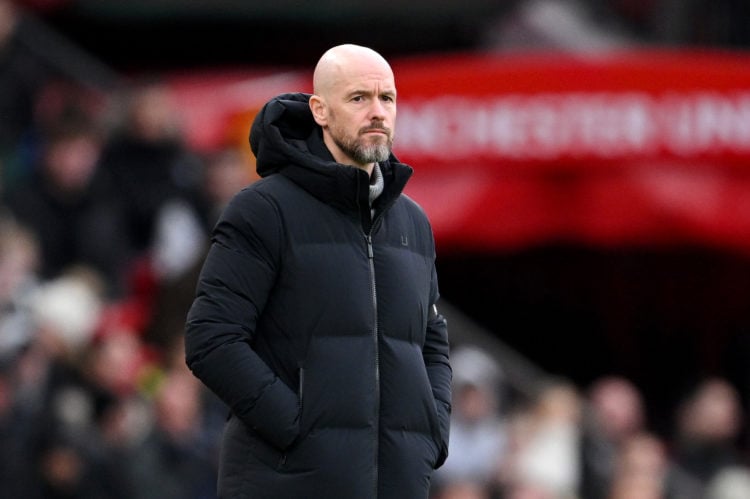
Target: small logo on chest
x=404, y=240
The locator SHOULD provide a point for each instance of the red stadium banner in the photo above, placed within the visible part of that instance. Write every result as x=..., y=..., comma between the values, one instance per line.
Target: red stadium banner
x=585, y=110
x=636, y=148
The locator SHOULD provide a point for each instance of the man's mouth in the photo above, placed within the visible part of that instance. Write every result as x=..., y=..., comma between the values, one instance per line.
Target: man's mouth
x=383, y=131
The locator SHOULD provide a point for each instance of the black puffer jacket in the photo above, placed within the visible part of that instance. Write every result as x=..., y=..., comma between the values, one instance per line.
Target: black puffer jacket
x=315, y=323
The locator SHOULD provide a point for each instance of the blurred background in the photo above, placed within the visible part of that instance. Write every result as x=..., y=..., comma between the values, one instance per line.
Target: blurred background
x=586, y=168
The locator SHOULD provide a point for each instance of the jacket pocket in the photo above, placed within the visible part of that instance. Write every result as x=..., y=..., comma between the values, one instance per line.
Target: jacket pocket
x=301, y=419
x=241, y=440
x=275, y=415
x=301, y=389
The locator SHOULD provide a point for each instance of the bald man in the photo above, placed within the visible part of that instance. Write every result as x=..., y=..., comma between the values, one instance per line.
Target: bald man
x=355, y=105
x=315, y=316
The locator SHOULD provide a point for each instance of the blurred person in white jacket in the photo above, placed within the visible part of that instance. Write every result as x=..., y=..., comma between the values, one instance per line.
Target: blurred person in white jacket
x=545, y=444
x=478, y=441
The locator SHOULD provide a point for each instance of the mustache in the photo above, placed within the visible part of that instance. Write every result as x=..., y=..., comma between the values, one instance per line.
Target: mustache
x=379, y=126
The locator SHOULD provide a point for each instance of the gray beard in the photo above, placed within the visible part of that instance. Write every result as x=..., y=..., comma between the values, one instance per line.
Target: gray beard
x=364, y=154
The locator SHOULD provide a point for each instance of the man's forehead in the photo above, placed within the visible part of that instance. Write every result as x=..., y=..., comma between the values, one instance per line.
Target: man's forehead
x=346, y=69
x=367, y=79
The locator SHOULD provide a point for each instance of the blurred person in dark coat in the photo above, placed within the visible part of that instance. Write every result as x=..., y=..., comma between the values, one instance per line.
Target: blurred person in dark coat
x=613, y=414
x=709, y=422
x=315, y=317
x=70, y=207
x=158, y=180
x=227, y=172
x=176, y=459
x=23, y=75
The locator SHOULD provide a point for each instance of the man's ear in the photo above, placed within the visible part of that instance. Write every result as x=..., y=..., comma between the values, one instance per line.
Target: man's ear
x=318, y=108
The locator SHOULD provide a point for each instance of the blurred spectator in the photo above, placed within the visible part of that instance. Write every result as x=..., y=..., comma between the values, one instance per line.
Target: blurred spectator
x=708, y=427
x=22, y=76
x=178, y=459
x=640, y=469
x=19, y=256
x=174, y=199
x=478, y=440
x=227, y=172
x=119, y=361
x=66, y=311
x=158, y=180
x=70, y=208
x=644, y=469
x=544, y=460
x=613, y=414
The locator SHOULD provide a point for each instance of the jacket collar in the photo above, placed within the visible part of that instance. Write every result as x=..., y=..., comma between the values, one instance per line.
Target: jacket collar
x=286, y=140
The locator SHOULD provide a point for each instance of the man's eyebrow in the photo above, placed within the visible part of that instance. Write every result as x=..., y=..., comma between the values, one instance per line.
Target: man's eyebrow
x=359, y=92
x=370, y=92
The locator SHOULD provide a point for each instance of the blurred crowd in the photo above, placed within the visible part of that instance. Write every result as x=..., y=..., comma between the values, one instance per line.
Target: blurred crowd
x=561, y=441
x=101, y=235
x=105, y=215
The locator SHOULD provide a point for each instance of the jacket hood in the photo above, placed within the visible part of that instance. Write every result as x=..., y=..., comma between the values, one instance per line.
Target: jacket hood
x=280, y=133
x=285, y=139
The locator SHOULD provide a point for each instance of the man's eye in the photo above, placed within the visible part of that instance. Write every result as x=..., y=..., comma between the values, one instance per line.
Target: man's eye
x=357, y=98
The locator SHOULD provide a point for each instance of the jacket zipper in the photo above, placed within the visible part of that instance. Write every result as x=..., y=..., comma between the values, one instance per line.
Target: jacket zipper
x=370, y=256
x=368, y=230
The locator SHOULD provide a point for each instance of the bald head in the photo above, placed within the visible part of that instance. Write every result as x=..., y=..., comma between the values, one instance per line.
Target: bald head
x=355, y=105
x=340, y=61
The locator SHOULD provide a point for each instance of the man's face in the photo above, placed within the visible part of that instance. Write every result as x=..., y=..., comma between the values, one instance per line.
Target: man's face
x=360, y=114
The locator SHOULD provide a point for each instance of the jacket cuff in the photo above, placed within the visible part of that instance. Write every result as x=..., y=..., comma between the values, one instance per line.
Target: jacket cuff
x=444, y=415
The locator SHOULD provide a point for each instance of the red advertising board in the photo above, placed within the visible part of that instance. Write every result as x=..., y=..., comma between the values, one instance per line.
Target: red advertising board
x=633, y=148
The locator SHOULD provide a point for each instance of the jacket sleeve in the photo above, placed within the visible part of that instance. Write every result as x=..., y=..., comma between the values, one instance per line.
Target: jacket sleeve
x=436, y=358
x=235, y=281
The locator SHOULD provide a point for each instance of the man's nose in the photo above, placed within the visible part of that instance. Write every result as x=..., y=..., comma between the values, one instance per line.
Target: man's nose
x=377, y=110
